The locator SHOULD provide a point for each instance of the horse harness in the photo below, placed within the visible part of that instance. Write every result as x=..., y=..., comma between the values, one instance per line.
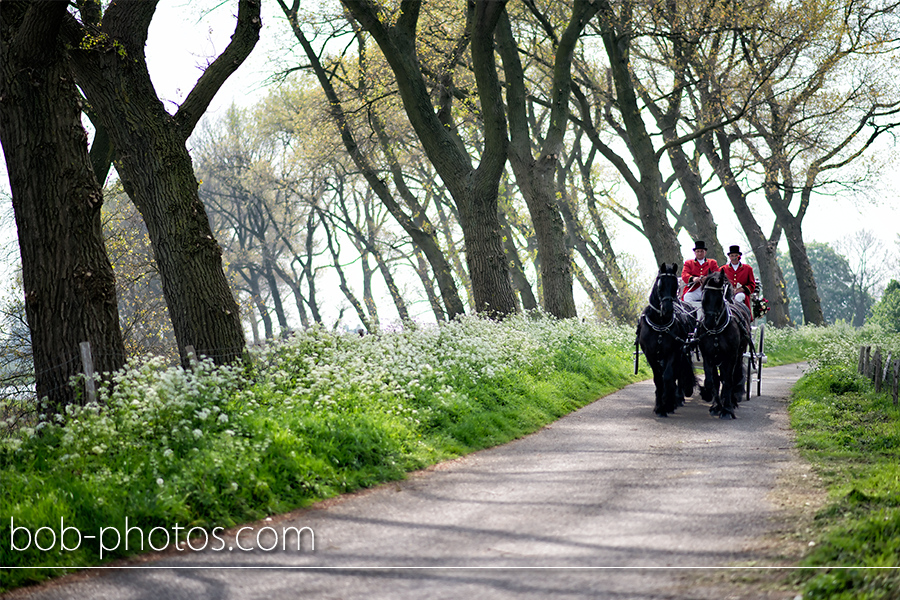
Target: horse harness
x=667, y=328
x=695, y=338
x=726, y=312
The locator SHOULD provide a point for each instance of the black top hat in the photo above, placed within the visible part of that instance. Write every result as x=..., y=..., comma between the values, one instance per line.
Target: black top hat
x=699, y=245
x=735, y=250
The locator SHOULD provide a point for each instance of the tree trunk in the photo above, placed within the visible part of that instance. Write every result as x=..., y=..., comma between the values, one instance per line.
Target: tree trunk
x=308, y=271
x=516, y=269
x=393, y=290
x=485, y=259
x=806, y=280
x=771, y=278
x=537, y=184
x=600, y=308
x=689, y=180
x=474, y=190
x=368, y=297
x=536, y=176
x=203, y=311
x=252, y=279
x=421, y=266
x=254, y=329
x=648, y=189
x=70, y=293
x=156, y=172
x=618, y=304
x=458, y=267
x=293, y=282
x=277, y=304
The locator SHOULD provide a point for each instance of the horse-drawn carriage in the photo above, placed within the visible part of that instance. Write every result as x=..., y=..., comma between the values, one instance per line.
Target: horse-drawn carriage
x=717, y=330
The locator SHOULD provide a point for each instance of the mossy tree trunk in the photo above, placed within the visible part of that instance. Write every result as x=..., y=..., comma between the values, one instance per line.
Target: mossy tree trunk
x=70, y=293
x=154, y=166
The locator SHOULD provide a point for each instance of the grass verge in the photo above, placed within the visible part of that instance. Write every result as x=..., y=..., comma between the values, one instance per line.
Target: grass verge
x=169, y=450
x=851, y=435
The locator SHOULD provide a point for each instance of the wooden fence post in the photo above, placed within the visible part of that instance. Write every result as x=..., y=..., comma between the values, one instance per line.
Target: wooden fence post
x=886, y=372
x=876, y=369
x=896, y=379
x=868, y=363
x=861, y=366
x=191, y=354
x=87, y=362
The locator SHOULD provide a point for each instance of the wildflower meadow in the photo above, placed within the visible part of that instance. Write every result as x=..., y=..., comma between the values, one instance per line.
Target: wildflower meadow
x=318, y=415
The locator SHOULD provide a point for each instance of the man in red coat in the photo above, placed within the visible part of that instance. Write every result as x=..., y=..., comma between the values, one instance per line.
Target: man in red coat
x=694, y=269
x=740, y=275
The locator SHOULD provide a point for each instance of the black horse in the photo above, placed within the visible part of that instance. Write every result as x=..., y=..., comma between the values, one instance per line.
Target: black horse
x=723, y=334
x=662, y=334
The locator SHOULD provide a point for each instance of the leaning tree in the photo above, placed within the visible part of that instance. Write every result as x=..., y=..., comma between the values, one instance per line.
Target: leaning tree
x=70, y=294
x=152, y=160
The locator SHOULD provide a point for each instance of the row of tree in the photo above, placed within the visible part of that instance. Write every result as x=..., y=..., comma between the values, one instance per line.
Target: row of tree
x=745, y=99
x=415, y=113
x=783, y=120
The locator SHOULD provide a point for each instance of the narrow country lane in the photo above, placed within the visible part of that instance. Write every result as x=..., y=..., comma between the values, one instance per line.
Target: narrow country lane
x=604, y=503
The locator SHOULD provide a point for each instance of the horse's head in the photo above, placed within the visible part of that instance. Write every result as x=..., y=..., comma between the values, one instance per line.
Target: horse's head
x=665, y=289
x=715, y=288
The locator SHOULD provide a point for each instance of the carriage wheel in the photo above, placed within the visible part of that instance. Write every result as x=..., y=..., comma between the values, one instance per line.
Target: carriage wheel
x=749, y=373
x=759, y=356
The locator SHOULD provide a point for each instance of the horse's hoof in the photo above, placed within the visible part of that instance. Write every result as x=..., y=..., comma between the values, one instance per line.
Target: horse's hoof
x=662, y=415
x=725, y=415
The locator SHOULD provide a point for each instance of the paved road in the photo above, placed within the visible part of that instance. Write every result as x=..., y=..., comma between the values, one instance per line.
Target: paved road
x=601, y=504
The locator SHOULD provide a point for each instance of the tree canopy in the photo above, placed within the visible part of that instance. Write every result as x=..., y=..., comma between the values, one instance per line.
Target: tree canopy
x=424, y=159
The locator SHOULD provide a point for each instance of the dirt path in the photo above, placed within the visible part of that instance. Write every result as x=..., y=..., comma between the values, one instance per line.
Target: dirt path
x=609, y=502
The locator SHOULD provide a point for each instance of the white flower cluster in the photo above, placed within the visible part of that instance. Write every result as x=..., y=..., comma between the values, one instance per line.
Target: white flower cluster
x=150, y=410
x=164, y=413
x=319, y=369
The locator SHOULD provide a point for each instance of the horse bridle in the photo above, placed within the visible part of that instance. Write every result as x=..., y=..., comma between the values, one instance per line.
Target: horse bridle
x=667, y=326
x=656, y=285
x=727, y=312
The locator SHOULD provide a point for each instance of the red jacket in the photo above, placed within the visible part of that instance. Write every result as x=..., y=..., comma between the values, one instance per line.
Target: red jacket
x=692, y=268
x=743, y=276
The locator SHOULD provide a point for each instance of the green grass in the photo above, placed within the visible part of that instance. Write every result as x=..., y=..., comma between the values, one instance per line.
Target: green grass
x=319, y=416
x=326, y=414
x=786, y=346
x=851, y=435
